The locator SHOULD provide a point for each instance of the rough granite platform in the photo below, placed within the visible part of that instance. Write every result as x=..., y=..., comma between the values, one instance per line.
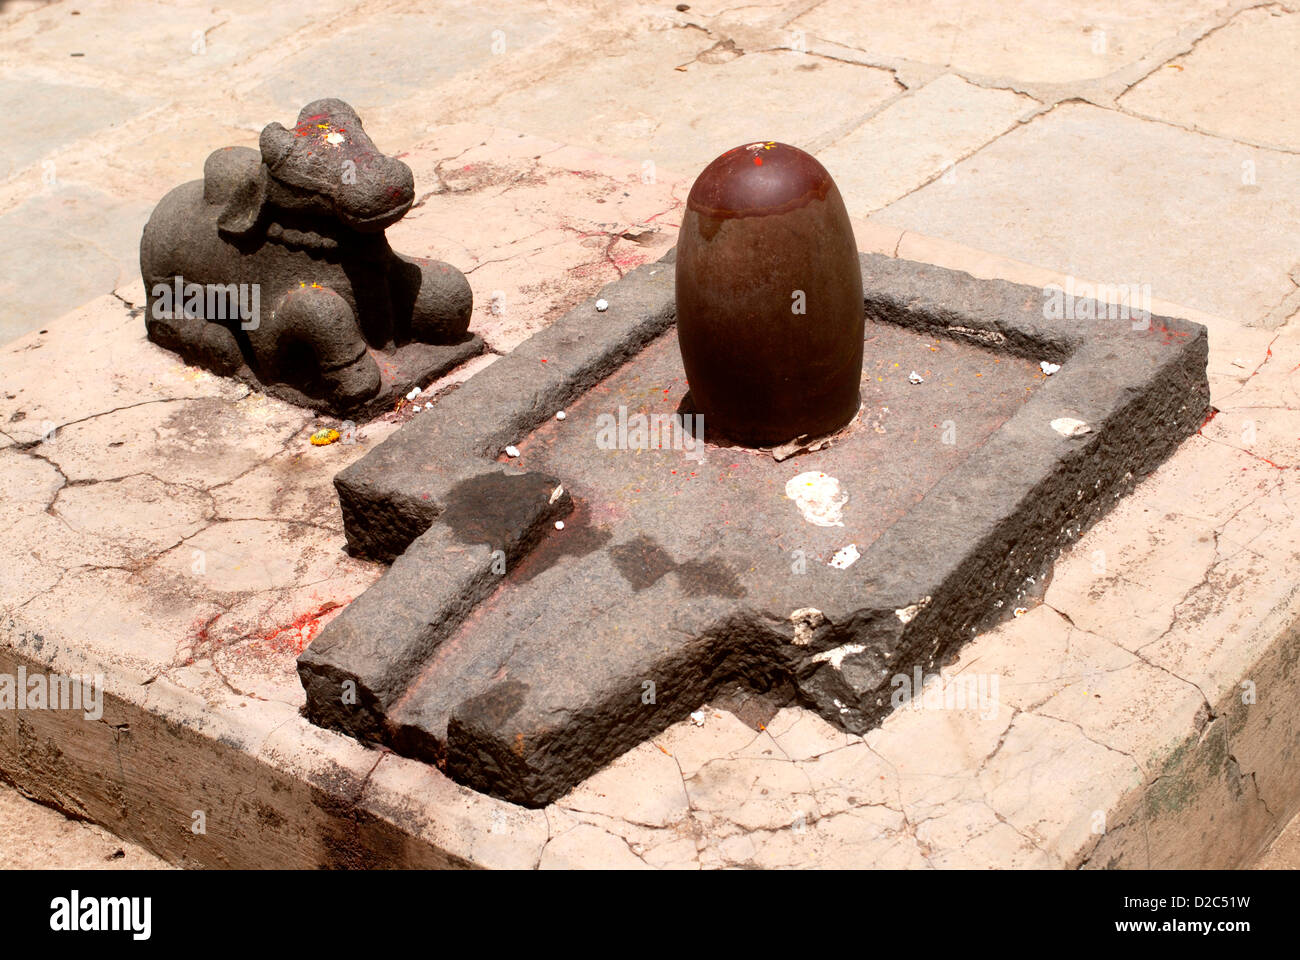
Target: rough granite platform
x=517, y=657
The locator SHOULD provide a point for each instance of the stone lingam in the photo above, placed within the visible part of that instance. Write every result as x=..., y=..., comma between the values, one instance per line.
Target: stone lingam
x=769, y=298
x=564, y=588
x=274, y=269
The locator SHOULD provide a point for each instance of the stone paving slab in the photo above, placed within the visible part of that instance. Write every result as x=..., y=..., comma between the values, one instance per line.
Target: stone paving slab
x=1219, y=87
x=1284, y=854
x=33, y=837
x=1039, y=41
x=1050, y=189
x=688, y=80
x=83, y=236
x=919, y=137
x=48, y=115
x=401, y=41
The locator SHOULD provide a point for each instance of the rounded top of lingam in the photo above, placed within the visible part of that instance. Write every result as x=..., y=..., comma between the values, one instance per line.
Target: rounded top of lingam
x=758, y=179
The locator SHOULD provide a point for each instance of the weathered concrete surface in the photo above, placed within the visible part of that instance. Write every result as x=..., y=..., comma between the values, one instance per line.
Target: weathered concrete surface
x=1284, y=854
x=282, y=792
x=1036, y=42
x=919, y=137
x=61, y=247
x=1045, y=188
x=536, y=225
x=122, y=97
x=137, y=49
x=463, y=34
x=36, y=837
x=693, y=85
x=1230, y=83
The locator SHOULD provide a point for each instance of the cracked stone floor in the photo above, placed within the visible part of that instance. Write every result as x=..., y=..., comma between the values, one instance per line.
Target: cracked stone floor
x=182, y=534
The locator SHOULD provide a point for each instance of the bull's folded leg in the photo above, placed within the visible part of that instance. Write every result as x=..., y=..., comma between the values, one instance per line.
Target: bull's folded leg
x=436, y=298
x=316, y=320
x=202, y=342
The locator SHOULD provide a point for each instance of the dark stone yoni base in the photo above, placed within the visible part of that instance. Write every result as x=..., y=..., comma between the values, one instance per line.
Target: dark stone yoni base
x=689, y=575
x=274, y=268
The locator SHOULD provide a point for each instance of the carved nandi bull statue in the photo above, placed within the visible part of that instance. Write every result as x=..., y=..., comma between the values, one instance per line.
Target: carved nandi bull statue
x=274, y=267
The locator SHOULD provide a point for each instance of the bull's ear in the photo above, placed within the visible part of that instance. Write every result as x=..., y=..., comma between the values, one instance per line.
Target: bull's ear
x=276, y=143
x=243, y=204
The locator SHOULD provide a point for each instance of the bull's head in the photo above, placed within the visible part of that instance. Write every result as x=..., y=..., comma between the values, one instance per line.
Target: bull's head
x=325, y=166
